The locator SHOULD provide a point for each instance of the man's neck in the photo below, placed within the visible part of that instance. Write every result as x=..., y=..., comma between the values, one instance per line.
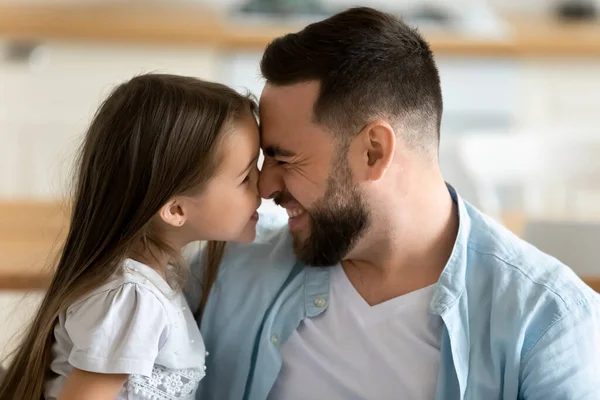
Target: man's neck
x=406, y=249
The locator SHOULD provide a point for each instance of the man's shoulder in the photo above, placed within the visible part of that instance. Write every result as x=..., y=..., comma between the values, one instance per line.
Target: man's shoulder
x=518, y=273
x=516, y=311
x=522, y=292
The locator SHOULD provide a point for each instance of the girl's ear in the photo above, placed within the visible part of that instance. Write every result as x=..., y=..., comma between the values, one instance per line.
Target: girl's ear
x=173, y=213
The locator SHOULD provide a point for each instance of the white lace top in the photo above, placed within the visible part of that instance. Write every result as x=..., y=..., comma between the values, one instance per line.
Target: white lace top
x=136, y=325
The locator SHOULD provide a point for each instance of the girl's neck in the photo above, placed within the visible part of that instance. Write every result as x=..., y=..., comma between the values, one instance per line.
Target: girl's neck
x=154, y=258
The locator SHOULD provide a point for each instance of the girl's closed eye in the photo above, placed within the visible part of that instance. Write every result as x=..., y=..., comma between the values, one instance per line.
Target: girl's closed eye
x=252, y=172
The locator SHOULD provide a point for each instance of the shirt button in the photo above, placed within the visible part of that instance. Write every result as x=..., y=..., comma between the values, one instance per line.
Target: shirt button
x=206, y=354
x=183, y=308
x=205, y=367
x=320, y=301
x=192, y=341
x=274, y=339
x=176, y=353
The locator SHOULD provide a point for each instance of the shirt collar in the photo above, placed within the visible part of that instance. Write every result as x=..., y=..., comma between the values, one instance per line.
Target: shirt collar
x=451, y=283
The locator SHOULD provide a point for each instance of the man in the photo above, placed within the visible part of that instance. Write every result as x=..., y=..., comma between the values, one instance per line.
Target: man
x=384, y=284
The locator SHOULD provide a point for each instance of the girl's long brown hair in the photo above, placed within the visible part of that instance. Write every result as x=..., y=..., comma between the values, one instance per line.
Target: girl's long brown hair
x=154, y=137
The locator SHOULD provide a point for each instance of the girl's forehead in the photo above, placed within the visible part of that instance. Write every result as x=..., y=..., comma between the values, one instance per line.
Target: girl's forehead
x=241, y=146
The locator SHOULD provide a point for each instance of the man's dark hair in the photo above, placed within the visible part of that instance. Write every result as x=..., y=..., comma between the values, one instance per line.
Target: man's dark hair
x=370, y=65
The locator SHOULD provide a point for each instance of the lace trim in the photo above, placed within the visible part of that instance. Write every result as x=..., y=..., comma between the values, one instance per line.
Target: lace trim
x=166, y=384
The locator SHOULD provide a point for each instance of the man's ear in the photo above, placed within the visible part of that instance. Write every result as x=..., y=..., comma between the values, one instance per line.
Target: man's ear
x=376, y=145
x=173, y=213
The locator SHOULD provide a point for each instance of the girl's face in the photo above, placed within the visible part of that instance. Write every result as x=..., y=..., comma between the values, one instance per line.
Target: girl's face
x=226, y=208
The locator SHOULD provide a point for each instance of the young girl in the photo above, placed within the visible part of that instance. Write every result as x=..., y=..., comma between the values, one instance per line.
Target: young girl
x=167, y=160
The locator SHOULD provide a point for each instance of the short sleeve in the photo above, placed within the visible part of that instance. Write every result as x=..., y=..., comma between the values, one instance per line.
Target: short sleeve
x=118, y=331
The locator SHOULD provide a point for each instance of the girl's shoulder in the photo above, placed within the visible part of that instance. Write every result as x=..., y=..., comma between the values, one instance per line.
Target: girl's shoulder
x=134, y=280
x=121, y=326
x=128, y=325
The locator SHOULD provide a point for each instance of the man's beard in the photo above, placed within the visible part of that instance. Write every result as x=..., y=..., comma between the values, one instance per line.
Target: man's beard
x=337, y=221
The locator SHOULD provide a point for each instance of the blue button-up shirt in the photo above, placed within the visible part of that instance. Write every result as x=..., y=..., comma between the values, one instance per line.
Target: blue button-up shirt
x=518, y=324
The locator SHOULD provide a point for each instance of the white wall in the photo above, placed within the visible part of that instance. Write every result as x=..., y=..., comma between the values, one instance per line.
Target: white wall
x=47, y=101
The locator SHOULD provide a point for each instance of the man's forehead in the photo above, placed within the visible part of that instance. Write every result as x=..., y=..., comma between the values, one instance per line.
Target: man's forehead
x=286, y=117
x=295, y=100
x=278, y=140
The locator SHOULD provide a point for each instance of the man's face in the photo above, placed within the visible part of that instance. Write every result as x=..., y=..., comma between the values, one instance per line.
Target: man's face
x=306, y=171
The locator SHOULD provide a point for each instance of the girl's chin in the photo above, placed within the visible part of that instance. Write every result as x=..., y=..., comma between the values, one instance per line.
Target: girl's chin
x=248, y=235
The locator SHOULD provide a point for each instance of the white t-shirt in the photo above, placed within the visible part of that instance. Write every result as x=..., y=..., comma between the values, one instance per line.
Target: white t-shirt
x=354, y=351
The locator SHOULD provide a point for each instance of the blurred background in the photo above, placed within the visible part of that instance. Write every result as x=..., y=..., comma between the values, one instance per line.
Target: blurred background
x=520, y=134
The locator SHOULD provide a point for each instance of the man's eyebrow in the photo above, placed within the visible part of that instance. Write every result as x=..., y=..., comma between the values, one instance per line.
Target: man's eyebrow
x=276, y=151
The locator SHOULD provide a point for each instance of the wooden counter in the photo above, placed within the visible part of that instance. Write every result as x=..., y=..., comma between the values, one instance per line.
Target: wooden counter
x=31, y=234
x=201, y=26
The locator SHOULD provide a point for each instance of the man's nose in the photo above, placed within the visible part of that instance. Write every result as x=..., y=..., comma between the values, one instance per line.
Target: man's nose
x=270, y=181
